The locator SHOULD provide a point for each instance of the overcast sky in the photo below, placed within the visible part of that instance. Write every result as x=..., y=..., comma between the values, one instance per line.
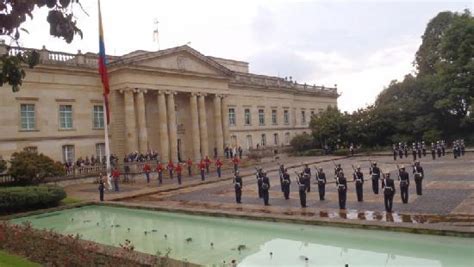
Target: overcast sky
x=360, y=46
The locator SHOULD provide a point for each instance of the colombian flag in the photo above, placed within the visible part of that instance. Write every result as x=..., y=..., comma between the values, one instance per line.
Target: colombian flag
x=103, y=66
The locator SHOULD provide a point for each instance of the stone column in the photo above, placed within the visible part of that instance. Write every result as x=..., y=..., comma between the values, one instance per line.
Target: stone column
x=130, y=122
x=195, y=127
x=225, y=121
x=173, y=132
x=203, y=126
x=218, y=124
x=163, y=127
x=142, y=131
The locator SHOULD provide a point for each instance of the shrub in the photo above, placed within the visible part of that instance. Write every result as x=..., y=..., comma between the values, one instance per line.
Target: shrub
x=28, y=168
x=302, y=142
x=30, y=197
x=341, y=152
x=309, y=153
x=3, y=165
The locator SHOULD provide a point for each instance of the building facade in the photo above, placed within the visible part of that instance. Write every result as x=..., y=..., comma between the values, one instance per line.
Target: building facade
x=177, y=101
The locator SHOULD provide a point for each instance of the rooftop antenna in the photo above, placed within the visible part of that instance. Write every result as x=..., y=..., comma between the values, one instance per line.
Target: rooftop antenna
x=156, y=37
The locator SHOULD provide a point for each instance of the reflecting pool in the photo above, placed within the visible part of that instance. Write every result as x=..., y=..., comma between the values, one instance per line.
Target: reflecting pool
x=213, y=240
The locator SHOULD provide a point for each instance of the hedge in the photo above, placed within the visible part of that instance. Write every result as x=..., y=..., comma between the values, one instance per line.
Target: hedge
x=30, y=197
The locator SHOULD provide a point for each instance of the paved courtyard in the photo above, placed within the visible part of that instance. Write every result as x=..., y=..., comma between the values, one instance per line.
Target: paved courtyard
x=447, y=200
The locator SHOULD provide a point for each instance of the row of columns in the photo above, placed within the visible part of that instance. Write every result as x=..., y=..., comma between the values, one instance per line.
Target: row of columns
x=167, y=124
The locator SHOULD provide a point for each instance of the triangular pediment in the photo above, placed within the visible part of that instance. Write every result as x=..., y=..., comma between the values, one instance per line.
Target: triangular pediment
x=183, y=59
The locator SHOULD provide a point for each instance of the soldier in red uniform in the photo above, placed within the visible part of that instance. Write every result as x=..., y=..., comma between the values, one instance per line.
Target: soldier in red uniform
x=218, y=167
x=147, y=170
x=189, y=162
x=202, y=169
x=159, y=170
x=207, y=161
x=236, y=161
x=170, y=168
x=179, y=170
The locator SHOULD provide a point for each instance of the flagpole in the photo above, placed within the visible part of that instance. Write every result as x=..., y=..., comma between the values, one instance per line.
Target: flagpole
x=107, y=146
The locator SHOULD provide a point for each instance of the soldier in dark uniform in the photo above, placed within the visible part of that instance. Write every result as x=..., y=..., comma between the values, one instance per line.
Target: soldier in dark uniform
x=395, y=152
x=321, y=176
x=438, y=149
x=259, y=176
x=443, y=147
x=405, y=148
x=337, y=169
x=285, y=183
x=375, y=172
x=463, y=147
x=419, y=175
x=404, y=179
x=301, y=181
x=265, y=188
x=456, y=150
x=341, y=184
x=423, y=148
x=238, y=184
x=413, y=151
x=400, y=150
x=418, y=149
x=433, y=151
x=307, y=180
x=281, y=171
x=359, y=183
x=388, y=192
x=101, y=189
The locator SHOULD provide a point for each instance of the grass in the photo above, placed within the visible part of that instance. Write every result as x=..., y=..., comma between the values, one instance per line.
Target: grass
x=10, y=260
x=70, y=200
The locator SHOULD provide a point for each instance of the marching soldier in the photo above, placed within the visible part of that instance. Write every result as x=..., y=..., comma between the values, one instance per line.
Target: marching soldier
x=405, y=148
x=337, y=169
x=375, y=172
x=419, y=175
x=423, y=148
x=404, y=179
x=265, y=188
x=433, y=151
x=179, y=171
x=202, y=169
x=207, y=161
x=259, y=176
x=285, y=183
x=413, y=151
x=101, y=188
x=307, y=180
x=170, y=168
x=218, y=167
x=395, y=152
x=418, y=149
x=302, y=188
x=146, y=170
x=159, y=170
x=321, y=176
x=463, y=148
x=238, y=184
x=443, y=147
x=359, y=183
x=281, y=171
x=236, y=161
x=189, y=163
x=400, y=150
x=438, y=149
x=388, y=192
x=341, y=184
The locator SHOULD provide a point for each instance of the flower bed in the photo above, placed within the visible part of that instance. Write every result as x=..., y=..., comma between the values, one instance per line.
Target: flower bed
x=53, y=249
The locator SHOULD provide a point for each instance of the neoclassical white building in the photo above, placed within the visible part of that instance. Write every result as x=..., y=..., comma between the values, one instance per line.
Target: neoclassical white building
x=176, y=101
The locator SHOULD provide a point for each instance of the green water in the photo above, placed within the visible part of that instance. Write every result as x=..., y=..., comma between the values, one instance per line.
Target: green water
x=289, y=244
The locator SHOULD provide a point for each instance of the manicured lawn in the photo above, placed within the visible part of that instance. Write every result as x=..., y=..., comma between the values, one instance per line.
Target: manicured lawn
x=10, y=260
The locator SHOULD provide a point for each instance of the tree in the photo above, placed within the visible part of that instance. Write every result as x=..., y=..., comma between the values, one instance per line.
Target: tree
x=13, y=13
x=330, y=127
x=3, y=165
x=302, y=142
x=31, y=168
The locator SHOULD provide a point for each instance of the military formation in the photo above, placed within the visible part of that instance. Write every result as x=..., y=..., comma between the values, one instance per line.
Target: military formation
x=379, y=180
x=418, y=149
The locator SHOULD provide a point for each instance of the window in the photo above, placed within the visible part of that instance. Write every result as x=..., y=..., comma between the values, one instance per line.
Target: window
x=100, y=150
x=28, y=119
x=275, y=139
x=261, y=117
x=65, y=116
x=264, y=140
x=231, y=117
x=286, y=117
x=98, y=117
x=247, y=117
x=312, y=113
x=68, y=153
x=32, y=149
x=249, y=142
x=274, y=117
x=303, y=117
x=287, y=138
